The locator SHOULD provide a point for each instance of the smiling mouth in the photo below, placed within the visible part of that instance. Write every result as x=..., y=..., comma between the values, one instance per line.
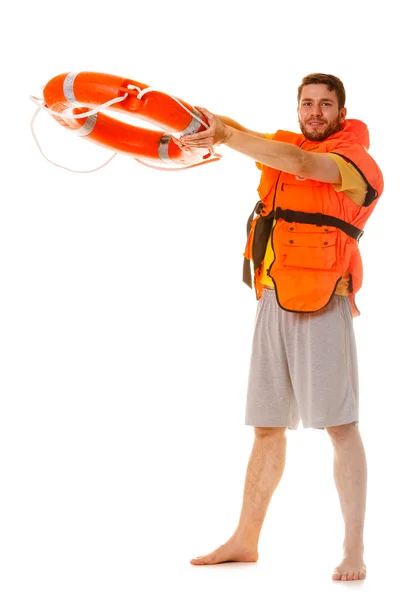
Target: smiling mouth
x=315, y=123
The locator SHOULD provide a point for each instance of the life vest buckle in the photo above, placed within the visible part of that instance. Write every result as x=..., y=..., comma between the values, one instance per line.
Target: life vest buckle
x=259, y=206
x=319, y=219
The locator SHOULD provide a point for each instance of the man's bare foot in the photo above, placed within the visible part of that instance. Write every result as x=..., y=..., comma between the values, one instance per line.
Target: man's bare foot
x=352, y=568
x=232, y=551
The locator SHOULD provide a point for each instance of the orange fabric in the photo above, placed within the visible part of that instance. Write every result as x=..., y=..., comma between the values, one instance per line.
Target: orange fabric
x=309, y=261
x=355, y=187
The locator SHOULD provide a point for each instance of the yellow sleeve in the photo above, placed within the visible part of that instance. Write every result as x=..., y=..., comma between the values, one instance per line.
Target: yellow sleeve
x=353, y=184
x=269, y=136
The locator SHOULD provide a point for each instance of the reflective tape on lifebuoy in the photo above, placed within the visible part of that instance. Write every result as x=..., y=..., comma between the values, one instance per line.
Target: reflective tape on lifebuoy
x=72, y=94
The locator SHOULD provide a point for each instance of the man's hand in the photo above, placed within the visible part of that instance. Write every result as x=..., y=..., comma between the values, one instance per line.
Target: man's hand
x=217, y=133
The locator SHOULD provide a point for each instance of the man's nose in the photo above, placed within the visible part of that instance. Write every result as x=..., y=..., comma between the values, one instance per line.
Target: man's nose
x=316, y=111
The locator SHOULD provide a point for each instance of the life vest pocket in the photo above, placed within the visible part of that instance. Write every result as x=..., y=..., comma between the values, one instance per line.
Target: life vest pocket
x=310, y=250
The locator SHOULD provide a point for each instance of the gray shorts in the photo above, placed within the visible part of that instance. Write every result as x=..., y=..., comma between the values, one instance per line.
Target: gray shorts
x=303, y=366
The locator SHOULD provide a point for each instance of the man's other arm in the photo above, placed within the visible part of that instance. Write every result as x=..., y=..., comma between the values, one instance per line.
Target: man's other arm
x=231, y=123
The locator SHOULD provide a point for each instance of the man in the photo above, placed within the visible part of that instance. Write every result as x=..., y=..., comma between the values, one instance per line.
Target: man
x=317, y=190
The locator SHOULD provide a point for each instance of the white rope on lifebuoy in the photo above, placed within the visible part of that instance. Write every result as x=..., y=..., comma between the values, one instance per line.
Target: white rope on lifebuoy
x=41, y=106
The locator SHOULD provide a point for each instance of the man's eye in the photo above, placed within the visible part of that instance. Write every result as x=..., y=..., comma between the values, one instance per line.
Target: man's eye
x=308, y=103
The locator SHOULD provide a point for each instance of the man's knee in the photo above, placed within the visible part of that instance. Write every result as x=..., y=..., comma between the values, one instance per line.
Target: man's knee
x=262, y=432
x=341, y=431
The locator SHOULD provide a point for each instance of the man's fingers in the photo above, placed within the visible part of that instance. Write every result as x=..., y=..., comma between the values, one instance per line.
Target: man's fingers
x=204, y=111
x=191, y=146
x=203, y=139
x=181, y=145
x=194, y=137
x=204, y=143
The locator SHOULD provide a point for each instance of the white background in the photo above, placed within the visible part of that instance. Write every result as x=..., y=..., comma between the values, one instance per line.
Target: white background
x=126, y=329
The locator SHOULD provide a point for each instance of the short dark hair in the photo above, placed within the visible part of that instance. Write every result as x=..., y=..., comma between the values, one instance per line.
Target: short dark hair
x=331, y=81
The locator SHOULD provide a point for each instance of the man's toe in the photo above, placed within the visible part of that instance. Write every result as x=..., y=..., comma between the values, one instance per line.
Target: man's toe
x=336, y=574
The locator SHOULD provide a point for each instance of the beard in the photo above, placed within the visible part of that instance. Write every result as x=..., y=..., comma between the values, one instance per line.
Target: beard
x=318, y=136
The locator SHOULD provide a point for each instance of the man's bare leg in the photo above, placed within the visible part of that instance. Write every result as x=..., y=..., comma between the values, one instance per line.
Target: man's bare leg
x=350, y=472
x=264, y=472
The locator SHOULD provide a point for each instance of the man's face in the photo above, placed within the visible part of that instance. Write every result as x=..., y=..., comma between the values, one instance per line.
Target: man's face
x=318, y=112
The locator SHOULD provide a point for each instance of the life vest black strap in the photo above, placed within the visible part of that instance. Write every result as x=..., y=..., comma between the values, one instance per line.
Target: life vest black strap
x=261, y=235
x=264, y=224
x=319, y=219
x=257, y=209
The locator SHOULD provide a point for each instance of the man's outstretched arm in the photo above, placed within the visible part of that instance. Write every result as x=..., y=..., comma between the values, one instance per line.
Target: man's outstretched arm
x=231, y=123
x=278, y=155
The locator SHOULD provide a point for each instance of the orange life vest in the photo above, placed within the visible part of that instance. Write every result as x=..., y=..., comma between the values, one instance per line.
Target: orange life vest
x=315, y=237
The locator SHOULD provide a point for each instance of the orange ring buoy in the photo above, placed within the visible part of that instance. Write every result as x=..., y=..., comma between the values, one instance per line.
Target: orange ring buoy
x=71, y=94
